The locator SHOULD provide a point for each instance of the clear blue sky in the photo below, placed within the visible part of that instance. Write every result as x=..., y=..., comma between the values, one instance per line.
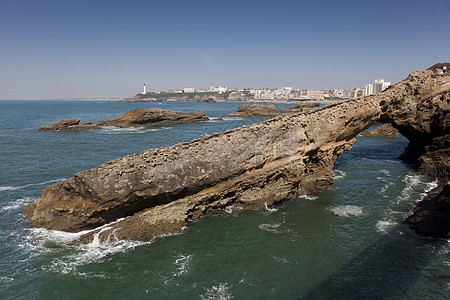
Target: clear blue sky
x=110, y=48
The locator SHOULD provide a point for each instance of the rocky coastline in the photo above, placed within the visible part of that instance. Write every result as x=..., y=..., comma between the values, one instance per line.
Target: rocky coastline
x=253, y=167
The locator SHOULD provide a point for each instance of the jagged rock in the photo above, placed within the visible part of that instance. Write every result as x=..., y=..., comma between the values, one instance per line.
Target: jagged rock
x=154, y=116
x=267, y=110
x=246, y=168
x=385, y=130
x=67, y=125
x=431, y=216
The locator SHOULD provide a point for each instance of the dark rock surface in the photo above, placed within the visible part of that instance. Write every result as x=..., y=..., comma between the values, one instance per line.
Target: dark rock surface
x=385, y=130
x=154, y=116
x=68, y=125
x=431, y=216
x=246, y=168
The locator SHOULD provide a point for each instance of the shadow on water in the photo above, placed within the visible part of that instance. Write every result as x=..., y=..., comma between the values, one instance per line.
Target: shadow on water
x=386, y=270
x=396, y=265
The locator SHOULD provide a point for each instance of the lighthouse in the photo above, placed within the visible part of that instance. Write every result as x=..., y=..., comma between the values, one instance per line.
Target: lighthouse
x=145, y=90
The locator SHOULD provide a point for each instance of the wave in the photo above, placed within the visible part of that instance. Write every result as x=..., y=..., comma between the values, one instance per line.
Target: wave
x=13, y=188
x=182, y=263
x=270, y=227
x=141, y=129
x=308, y=197
x=17, y=204
x=384, y=226
x=347, y=210
x=217, y=292
x=338, y=174
x=58, y=242
x=271, y=209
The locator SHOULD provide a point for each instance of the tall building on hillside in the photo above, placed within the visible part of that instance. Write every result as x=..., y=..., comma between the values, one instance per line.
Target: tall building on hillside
x=376, y=87
x=145, y=90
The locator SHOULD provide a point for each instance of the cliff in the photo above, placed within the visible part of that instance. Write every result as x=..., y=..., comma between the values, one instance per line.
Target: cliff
x=246, y=168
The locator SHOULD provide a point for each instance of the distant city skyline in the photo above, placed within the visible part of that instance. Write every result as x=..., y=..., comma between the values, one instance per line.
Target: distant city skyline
x=93, y=49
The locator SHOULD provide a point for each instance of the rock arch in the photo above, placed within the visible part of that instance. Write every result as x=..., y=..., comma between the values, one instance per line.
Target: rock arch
x=251, y=167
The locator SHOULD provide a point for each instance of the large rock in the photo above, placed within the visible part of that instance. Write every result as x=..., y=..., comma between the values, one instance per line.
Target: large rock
x=246, y=168
x=385, y=130
x=268, y=110
x=154, y=116
x=68, y=125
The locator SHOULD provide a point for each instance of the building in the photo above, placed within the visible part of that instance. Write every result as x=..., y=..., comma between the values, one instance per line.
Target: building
x=145, y=90
x=378, y=86
x=189, y=90
x=218, y=89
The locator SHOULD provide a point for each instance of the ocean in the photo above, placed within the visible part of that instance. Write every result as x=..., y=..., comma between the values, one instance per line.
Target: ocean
x=345, y=243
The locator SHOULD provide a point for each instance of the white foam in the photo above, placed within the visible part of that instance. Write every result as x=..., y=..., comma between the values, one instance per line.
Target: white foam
x=347, y=210
x=13, y=188
x=338, y=174
x=17, y=204
x=270, y=227
x=385, y=172
x=51, y=241
x=182, y=262
x=308, y=197
x=219, y=292
x=140, y=129
x=271, y=210
x=384, y=226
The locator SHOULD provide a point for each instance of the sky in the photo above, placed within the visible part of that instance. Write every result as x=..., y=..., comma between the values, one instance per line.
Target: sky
x=55, y=49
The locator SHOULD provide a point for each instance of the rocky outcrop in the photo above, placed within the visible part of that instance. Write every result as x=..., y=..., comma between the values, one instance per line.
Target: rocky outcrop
x=68, y=125
x=268, y=110
x=385, y=130
x=252, y=167
x=431, y=216
x=154, y=116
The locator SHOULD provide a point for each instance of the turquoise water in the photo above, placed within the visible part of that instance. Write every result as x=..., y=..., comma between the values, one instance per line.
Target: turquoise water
x=348, y=242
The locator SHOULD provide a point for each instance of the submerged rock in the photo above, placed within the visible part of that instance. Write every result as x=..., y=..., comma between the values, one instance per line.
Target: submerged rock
x=385, y=130
x=251, y=167
x=154, y=116
x=68, y=125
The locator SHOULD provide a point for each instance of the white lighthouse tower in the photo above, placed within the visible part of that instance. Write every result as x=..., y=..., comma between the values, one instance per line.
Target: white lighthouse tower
x=145, y=90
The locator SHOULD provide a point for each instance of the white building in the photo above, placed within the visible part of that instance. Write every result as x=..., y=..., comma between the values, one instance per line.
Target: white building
x=218, y=89
x=145, y=90
x=378, y=86
x=189, y=90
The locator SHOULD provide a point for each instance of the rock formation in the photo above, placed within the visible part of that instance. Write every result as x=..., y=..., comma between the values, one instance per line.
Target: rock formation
x=135, y=118
x=68, y=125
x=154, y=116
x=385, y=130
x=268, y=110
x=431, y=216
x=252, y=167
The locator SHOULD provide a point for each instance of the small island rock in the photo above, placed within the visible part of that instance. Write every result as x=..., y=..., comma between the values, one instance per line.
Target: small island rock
x=154, y=116
x=69, y=125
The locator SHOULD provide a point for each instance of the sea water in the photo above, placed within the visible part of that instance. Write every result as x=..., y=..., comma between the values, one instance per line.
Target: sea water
x=348, y=242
